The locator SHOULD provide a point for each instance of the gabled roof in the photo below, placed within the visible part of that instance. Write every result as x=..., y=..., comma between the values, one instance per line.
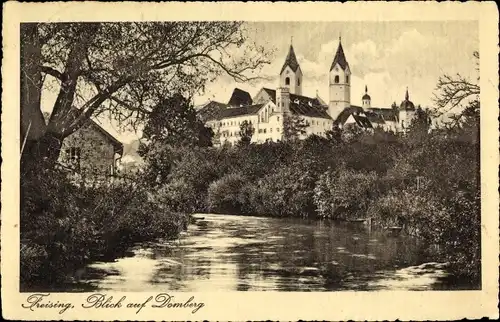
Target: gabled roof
x=374, y=118
x=117, y=145
x=307, y=106
x=340, y=58
x=362, y=121
x=344, y=115
x=290, y=61
x=212, y=111
x=238, y=111
x=303, y=105
x=388, y=114
x=271, y=93
x=239, y=98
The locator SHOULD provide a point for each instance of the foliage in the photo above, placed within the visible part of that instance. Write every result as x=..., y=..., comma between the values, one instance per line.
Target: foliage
x=122, y=69
x=64, y=225
x=344, y=193
x=227, y=195
x=174, y=122
x=293, y=127
x=246, y=132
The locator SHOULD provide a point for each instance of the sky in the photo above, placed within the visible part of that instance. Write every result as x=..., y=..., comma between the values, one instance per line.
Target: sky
x=387, y=57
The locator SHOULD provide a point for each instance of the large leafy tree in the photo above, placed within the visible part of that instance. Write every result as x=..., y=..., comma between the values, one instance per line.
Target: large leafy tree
x=120, y=69
x=172, y=127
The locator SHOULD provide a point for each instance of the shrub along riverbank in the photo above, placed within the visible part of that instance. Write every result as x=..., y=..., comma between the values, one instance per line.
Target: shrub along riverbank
x=65, y=225
x=427, y=183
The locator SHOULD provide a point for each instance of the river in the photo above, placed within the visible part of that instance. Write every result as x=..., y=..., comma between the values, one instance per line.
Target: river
x=244, y=253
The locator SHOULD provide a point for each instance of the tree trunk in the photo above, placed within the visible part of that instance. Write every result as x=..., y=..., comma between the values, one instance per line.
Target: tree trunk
x=31, y=83
x=43, y=152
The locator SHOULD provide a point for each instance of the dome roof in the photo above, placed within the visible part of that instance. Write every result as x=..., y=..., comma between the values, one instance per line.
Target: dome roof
x=366, y=96
x=407, y=105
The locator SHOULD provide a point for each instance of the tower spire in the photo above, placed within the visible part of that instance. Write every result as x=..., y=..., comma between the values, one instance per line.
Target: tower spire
x=407, y=97
x=366, y=89
x=290, y=60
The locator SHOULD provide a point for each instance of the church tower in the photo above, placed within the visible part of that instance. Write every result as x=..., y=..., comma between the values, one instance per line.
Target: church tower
x=340, y=83
x=291, y=74
x=366, y=99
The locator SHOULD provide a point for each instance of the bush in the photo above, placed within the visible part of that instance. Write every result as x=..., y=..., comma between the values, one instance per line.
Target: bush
x=63, y=226
x=344, y=193
x=286, y=191
x=227, y=195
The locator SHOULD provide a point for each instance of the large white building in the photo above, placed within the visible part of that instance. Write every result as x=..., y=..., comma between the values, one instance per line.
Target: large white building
x=267, y=109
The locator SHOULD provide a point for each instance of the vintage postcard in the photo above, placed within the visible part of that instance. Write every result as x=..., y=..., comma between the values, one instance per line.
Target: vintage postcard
x=250, y=161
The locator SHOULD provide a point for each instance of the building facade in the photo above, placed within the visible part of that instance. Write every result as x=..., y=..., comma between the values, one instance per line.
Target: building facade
x=91, y=151
x=267, y=110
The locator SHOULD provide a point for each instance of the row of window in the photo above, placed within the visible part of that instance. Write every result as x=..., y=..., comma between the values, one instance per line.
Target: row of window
x=337, y=79
x=315, y=123
x=287, y=81
x=233, y=123
x=270, y=130
x=263, y=118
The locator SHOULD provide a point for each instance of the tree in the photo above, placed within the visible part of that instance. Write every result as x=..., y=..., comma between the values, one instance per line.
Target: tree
x=174, y=122
x=120, y=69
x=172, y=126
x=246, y=132
x=420, y=124
x=293, y=127
x=454, y=92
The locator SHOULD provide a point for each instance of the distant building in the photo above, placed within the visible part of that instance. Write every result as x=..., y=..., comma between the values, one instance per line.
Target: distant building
x=91, y=151
x=267, y=109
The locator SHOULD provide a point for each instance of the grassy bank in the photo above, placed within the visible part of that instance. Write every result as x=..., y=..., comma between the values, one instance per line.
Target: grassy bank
x=64, y=226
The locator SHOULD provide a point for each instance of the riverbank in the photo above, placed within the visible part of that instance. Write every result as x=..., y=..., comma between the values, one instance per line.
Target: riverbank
x=255, y=253
x=64, y=226
x=426, y=184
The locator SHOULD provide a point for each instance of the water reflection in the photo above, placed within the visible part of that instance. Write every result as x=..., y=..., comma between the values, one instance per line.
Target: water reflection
x=228, y=253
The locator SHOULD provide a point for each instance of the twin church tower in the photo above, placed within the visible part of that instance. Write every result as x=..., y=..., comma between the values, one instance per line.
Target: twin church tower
x=291, y=77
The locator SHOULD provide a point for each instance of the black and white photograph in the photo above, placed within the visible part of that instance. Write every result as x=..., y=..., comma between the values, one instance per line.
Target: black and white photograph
x=249, y=156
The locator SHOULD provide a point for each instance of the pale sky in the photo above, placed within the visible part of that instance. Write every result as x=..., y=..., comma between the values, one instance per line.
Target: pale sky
x=385, y=56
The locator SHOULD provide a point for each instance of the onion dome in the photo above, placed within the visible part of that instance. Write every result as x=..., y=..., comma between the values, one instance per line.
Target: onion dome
x=366, y=96
x=407, y=105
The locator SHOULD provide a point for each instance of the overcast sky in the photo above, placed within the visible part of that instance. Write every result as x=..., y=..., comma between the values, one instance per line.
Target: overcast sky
x=385, y=56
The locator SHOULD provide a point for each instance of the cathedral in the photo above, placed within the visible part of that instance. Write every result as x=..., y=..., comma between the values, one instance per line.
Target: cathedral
x=267, y=109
